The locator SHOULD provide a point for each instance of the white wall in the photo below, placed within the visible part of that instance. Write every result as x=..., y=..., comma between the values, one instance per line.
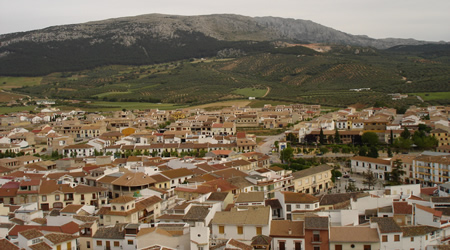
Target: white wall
x=370, y=203
x=289, y=242
x=341, y=217
x=199, y=234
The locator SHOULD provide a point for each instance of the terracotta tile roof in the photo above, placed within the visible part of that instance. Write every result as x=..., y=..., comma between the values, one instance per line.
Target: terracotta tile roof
x=429, y=210
x=253, y=216
x=122, y=200
x=428, y=190
x=402, y=208
x=230, y=173
x=69, y=228
x=250, y=197
x=238, y=245
x=71, y=208
x=354, y=234
x=134, y=180
x=145, y=231
x=159, y=178
x=280, y=228
x=291, y=197
x=410, y=231
x=217, y=196
x=107, y=179
x=196, y=213
x=83, y=189
x=334, y=199
x=273, y=203
x=176, y=217
x=31, y=234
x=177, y=173
x=316, y=222
x=261, y=240
x=57, y=238
x=386, y=224
x=41, y=246
x=440, y=199
x=6, y=244
x=41, y=221
x=114, y=232
x=311, y=171
x=370, y=159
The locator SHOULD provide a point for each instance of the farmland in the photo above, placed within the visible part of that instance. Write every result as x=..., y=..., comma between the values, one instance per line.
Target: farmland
x=288, y=75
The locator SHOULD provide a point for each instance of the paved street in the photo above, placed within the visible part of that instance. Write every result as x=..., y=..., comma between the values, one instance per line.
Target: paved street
x=266, y=148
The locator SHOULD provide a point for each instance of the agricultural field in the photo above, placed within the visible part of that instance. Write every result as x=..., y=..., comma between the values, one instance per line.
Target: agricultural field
x=282, y=76
x=114, y=106
x=431, y=96
x=250, y=92
x=7, y=82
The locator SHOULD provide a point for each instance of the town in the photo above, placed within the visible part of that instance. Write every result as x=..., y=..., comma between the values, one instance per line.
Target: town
x=278, y=177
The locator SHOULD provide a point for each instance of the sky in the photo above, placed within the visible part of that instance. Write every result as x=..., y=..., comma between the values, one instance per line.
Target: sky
x=419, y=19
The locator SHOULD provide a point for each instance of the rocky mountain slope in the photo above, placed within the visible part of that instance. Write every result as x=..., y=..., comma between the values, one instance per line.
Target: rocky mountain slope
x=155, y=38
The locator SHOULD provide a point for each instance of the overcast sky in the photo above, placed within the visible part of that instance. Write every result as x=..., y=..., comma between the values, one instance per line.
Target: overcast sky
x=418, y=19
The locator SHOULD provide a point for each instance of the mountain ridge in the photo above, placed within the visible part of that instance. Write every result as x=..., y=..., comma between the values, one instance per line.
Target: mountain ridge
x=156, y=38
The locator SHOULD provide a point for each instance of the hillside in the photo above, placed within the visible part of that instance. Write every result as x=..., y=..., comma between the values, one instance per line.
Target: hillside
x=156, y=38
x=293, y=74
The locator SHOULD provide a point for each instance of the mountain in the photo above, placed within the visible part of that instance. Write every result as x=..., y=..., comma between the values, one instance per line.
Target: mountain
x=156, y=38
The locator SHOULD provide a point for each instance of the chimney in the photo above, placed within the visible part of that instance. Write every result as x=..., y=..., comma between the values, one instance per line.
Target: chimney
x=290, y=231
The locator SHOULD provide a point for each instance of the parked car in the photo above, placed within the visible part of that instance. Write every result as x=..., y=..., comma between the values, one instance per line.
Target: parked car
x=351, y=180
x=346, y=176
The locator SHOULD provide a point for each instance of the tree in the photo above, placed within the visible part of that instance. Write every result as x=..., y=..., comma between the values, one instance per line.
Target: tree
x=389, y=152
x=323, y=150
x=351, y=187
x=293, y=138
x=370, y=138
x=286, y=154
x=373, y=152
x=391, y=139
x=369, y=179
x=405, y=134
x=330, y=139
x=363, y=151
x=397, y=172
x=337, y=137
x=403, y=143
x=321, y=137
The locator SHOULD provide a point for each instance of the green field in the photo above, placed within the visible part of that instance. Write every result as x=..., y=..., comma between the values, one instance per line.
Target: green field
x=113, y=106
x=7, y=110
x=431, y=96
x=261, y=103
x=9, y=82
x=112, y=93
x=250, y=92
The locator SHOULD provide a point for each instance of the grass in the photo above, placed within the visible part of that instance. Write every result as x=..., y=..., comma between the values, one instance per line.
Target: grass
x=8, y=110
x=250, y=92
x=9, y=82
x=113, y=106
x=430, y=96
x=261, y=103
x=112, y=93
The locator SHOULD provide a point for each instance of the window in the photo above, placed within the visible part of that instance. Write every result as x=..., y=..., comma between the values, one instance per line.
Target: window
x=297, y=206
x=56, y=197
x=316, y=247
x=396, y=237
x=412, y=239
x=116, y=243
x=221, y=229
x=130, y=242
x=258, y=230
x=99, y=242
x=288, y=208
x=307, y=206
x=240, y=230
x=298, y=245
x=367, y=247
x=44, y=197
x=384, y=238
x=282, y=245
x=82, y=197
x=88, y=244
x=337, y=247
x=316, y=236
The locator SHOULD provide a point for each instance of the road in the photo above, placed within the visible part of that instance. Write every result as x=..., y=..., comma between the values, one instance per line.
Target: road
x=266, y=148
